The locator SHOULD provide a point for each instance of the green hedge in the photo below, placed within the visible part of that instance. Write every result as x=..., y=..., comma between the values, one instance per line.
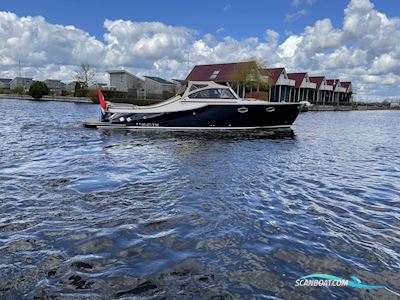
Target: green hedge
x=38, y=89
x=5, y=91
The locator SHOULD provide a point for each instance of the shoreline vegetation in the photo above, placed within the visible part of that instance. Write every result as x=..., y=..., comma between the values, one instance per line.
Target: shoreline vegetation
x=89, y=100
x=73, y=99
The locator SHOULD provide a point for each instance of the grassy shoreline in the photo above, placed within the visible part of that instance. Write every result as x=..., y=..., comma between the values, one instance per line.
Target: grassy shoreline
x=87, y=100
x=48, y=98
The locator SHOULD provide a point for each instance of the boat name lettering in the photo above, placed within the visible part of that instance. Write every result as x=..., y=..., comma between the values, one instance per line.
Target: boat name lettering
x=148, y=124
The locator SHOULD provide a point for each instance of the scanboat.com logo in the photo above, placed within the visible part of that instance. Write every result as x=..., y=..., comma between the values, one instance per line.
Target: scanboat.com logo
x=330, y=280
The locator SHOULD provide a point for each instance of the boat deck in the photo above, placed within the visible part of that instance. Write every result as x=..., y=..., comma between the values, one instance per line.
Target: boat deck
x=93, y=123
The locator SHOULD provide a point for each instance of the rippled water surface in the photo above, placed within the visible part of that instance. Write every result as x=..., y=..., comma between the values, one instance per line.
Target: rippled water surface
x=89, y=214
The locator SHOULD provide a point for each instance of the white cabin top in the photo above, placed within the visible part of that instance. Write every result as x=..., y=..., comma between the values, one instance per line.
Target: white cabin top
x=206, y=90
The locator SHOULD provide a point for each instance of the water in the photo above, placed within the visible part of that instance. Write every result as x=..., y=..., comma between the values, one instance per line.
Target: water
x=89, y=214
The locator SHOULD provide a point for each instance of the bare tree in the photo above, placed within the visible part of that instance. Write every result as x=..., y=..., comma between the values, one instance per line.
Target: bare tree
x=85, y=75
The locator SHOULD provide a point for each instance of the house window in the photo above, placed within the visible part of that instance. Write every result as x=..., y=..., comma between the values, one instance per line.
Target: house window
x=214, y=74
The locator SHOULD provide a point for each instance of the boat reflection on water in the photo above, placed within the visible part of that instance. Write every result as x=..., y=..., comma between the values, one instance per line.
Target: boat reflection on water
x=233, y=135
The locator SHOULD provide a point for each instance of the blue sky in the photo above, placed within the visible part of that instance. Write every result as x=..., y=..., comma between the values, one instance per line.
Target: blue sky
x=155, y=37
x=240, y=19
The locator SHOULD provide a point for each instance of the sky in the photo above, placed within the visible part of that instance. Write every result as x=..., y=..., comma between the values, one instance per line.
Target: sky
x=354, y=40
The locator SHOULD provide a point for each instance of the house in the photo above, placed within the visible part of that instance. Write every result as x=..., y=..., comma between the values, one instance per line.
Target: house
x=123, y=81
x=282, y=87
x=349, y=91
x=339, y=92
x=323, y=92
x=179, y=83
x=156, y=87
x=21, y=82
x=5, y=83
x=231, y=74
x=54, y=85
x=304, y=88
x=102, y=86
x=70, y=87
x=219, y=73
x=394, y=105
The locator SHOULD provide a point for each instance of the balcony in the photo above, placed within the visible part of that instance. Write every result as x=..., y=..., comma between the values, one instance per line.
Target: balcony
x=326, y=88
x=284, y=81
x=340, y=89
x=308, y=85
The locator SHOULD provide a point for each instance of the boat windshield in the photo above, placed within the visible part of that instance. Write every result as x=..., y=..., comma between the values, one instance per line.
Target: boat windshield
x=213, y=94
x=182, y=90
x=197, y=86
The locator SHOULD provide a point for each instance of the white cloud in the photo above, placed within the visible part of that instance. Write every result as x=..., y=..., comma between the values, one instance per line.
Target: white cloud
x=272, y=37
x=36, y=42
x=295, y=16
x=288, y=48
x=385, y=63
x=139, y=44
x=386, y=79
x=227, y=7
x=297, y=3
x=365, y=49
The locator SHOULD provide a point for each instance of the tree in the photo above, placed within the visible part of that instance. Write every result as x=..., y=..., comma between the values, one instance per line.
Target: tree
x=19, y=90
x=85, y=75
x=38, y=89
x=64, y=93
x=80, y=90
x=253, y=75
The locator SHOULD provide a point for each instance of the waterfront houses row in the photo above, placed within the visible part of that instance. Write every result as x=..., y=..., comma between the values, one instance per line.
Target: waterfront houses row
x=55, y=86
x=282, y=86
x=120, y=80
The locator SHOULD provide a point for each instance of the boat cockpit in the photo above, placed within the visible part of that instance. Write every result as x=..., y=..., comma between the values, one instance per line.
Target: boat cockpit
x=206, y=90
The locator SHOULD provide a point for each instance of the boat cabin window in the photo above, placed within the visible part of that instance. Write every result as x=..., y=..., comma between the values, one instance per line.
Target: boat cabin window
x=213, y=94
x=197, y=86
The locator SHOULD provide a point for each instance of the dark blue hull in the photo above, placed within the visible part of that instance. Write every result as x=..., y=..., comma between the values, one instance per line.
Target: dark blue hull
x=219, y=116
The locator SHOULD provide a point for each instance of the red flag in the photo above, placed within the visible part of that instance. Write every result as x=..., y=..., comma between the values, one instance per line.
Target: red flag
x=103, y=103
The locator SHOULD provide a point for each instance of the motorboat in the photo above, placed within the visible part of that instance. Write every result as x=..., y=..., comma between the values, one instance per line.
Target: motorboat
x=198, y=105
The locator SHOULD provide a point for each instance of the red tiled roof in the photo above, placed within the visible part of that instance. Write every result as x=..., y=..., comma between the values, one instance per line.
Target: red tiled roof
x=333, y=82
x=346, y=84
x=275, y=73
x=317, y=80
x=226, y=72
x=297, y=77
